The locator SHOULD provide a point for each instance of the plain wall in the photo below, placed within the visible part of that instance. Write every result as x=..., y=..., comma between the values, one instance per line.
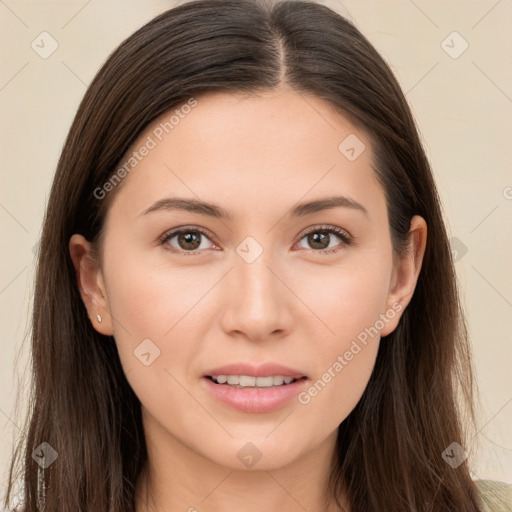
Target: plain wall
x=462, y=104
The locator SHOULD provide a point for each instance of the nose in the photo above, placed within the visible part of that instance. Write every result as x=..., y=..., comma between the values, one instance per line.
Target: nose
x=257, y=301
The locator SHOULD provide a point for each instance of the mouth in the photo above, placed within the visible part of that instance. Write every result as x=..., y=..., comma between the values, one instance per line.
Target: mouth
x=249, y=381
x=254, y=389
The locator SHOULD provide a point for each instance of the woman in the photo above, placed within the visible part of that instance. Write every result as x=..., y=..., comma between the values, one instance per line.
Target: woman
x=245, y=296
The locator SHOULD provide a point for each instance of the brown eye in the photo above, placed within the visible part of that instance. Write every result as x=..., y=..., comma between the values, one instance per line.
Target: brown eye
x=187, y=240
x=319, y=239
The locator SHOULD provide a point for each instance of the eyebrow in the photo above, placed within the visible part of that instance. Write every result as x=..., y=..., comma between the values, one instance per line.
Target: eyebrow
x=212, y=210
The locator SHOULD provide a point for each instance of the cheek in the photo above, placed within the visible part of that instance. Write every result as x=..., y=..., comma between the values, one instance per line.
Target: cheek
x=351, y=304
x=156, y=332
x=149, y=298
x=346, y=359
x=349, y=297
x=153, y=310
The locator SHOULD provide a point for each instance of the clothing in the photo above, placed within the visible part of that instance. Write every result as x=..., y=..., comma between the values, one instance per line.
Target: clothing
x=496, y=496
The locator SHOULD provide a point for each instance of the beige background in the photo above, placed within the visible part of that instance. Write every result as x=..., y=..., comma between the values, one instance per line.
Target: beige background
x=463, y=107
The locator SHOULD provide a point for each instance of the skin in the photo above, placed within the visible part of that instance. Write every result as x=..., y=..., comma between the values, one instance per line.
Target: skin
x=256, y=156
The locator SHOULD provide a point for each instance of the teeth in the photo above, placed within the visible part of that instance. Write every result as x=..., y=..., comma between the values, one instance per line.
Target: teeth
x=243, y=381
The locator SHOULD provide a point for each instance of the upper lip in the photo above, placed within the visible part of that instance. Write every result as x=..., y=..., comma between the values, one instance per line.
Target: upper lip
x=252, y=370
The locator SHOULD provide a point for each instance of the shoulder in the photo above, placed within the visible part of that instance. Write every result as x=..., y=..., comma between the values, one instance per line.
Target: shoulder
x=496, y=496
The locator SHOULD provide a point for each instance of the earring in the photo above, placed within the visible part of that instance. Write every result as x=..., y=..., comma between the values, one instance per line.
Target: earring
x=99, y=318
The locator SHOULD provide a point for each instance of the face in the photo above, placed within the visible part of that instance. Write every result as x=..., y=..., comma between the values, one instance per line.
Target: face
x=274, y=288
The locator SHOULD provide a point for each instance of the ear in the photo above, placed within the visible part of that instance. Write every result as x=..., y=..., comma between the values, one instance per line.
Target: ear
x=405, y=273
x=91, y=284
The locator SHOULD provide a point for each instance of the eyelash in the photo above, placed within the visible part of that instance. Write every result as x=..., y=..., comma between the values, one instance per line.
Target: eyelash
x=342, y=234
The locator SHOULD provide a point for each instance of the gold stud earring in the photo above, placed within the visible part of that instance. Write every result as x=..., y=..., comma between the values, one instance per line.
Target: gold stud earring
x=99, y=318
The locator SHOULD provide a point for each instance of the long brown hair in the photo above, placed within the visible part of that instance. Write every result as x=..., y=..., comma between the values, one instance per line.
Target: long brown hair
x=419, y=398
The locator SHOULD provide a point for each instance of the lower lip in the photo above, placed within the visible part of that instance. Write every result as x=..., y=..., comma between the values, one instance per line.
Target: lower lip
x=255, y=400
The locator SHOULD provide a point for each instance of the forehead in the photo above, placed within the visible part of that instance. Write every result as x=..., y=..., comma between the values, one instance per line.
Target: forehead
x=249, y=149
